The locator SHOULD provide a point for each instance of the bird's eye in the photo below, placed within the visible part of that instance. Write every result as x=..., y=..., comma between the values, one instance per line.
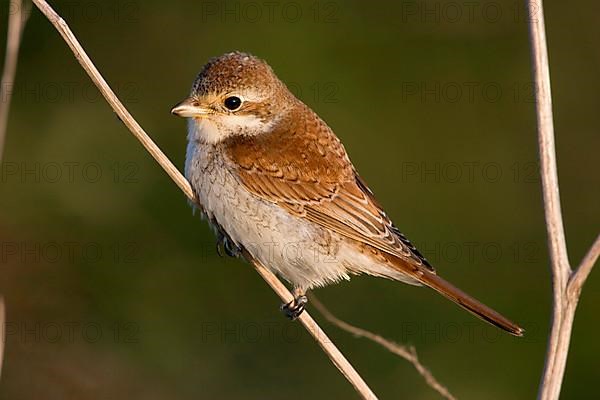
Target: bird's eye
x=233, y=103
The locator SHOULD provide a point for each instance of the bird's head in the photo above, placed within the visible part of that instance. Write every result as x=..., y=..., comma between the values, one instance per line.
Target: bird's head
x=234, y=94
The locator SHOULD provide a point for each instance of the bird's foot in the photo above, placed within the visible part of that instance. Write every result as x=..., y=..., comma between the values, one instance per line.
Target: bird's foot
x=225, y=244
x=294, y=308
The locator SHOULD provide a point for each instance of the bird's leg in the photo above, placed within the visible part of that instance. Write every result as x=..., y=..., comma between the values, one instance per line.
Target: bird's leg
x=231, y=248
x=224, y=243
x=294, y=308
x=220, y=241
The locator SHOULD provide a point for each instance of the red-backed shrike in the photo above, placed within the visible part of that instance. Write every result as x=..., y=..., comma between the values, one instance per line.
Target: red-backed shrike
x=275, y=180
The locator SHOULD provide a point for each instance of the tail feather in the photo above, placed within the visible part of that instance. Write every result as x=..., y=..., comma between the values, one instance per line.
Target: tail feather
x=429, y=278
x=469, y=303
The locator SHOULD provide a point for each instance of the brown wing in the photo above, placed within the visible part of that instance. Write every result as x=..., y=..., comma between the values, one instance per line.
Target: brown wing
x=304, y=168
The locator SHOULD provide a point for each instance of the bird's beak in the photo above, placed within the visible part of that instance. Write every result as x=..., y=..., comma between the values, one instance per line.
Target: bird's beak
x=190, y=108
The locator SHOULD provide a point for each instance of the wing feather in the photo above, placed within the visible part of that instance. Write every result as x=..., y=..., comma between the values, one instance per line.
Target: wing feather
x=302, y=166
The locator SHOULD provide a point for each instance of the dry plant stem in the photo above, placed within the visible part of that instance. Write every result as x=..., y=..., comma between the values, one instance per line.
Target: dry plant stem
x=566, y=285
x=408, y=353
x=582, y=272
x=17, y=18
x=559, y=337
x=562, y=325
x=2, y=330
x=334, y=354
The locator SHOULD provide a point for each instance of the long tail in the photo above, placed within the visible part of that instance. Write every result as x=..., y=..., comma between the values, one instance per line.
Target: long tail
x=467, y=302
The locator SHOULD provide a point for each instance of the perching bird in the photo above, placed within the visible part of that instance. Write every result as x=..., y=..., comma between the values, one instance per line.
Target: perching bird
x=274, y=180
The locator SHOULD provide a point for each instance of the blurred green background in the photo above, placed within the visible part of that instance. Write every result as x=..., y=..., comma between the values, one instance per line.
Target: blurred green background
x=114, y=289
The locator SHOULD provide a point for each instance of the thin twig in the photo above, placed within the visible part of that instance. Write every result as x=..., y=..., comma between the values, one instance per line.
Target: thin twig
x=408, y=353
x=582, y=272
x=18, y=14
x=2, y=332
x=328, y=347
x=566, y=285
x=545, y=124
